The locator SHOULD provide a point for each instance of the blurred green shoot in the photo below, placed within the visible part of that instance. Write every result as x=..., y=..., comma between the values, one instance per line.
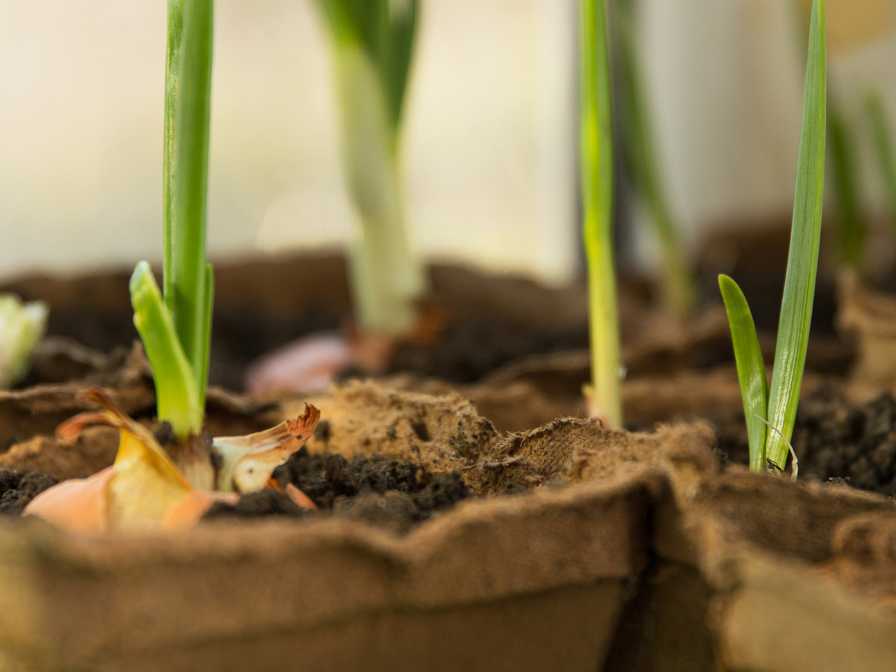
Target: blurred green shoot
x=851, y=227
x=21, y=327
x=799, y=284
x=597, y=189
x=372, y=44
x=642, y=161
x=876, y=113
x=177, y=333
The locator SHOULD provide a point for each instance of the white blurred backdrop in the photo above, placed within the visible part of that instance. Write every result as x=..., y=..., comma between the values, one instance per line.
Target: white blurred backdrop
x=490, y=140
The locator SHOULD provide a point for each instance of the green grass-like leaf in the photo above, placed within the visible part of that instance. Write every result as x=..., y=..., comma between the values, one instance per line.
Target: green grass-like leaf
x=177, y=396
x=641, y=160
x=883, y=143
x=750, y=368
x=851, y=228
x=597, y=189
x=802, y=261
x=845, y=178
x=189, y=103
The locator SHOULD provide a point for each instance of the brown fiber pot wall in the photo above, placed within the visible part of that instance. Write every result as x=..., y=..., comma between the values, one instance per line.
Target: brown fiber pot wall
x=492, y=586
x=547, y=576
x=753, y=573
x=532, y=581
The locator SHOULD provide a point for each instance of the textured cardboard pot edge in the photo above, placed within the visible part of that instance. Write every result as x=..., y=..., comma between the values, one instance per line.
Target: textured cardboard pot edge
x=96, y=599
x=785, y=608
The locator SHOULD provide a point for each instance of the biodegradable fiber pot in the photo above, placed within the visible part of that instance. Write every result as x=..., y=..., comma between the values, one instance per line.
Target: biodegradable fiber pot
x=530, y=581
x=754, y=573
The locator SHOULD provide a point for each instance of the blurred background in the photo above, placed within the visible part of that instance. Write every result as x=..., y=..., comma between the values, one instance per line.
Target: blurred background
x=490, y=140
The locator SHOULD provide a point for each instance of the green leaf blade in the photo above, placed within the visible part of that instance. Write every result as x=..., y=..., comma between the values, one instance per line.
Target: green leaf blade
x=802, y=261
x=187, y=137
x=876, y=114
x=177, y=397
x=641, y=160
x=402, y=27
x=750, y=368
x=597, y=192
x=385, y=31
x=851, y=227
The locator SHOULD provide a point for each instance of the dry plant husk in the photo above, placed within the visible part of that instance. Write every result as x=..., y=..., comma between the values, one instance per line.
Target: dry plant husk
x=29, y=417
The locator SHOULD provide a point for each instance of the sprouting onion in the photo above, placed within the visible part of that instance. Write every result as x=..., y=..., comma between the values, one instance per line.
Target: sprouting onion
x=372, y=44
x=597, y=191
x=176, y=334
x=799, y=284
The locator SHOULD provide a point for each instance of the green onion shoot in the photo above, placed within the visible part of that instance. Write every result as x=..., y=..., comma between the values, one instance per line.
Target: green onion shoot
x=372, y=45
x=771, y=447
x=678, y=286
x=877, y=118
x=597, y=193
x=176, y=330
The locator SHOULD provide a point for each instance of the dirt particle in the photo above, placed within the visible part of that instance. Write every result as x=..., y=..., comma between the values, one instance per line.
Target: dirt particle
x=257, y=505
x=164, y=434
x=421, y=430
x=323, y=431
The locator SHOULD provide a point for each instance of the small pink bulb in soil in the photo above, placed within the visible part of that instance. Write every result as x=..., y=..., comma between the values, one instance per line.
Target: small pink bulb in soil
x=312, y=363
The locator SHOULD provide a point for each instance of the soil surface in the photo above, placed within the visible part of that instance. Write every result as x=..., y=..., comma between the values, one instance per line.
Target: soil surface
x=465, y=352
x=384, y=491
x=18, y=488
x=239, y=337
x=855, y=445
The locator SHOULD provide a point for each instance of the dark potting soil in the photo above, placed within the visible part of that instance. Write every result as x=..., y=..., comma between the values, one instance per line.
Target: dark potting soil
x=464, y=352
x=18, y=488
x=467, y=351
x=854, y=445
x=239, y=336
x=383, y=491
